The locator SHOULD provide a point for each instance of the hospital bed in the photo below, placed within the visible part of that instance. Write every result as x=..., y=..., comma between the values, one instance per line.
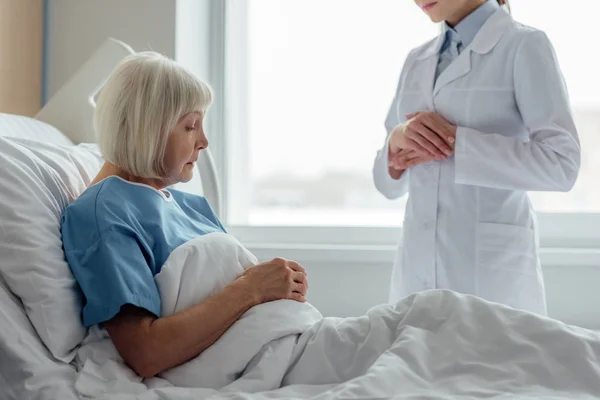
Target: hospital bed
x=33, y=365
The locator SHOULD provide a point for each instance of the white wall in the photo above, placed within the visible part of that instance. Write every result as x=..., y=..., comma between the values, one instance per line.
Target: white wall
x=179, y=29
x=77, y=27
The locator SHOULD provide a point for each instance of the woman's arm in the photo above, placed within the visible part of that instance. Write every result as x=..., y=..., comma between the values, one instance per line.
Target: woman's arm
x=151, y=345
x=551, y=159
x=389, y=181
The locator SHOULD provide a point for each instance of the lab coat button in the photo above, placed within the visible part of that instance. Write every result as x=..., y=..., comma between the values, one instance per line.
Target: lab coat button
x=428, y=225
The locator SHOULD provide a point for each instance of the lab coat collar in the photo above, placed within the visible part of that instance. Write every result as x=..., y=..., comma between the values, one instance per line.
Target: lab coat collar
x=470, y=26
x=486, y=39
x=491, y=32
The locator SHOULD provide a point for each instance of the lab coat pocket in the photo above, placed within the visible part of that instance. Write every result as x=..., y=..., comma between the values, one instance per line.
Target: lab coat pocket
x=507, y=266
x=503, y=243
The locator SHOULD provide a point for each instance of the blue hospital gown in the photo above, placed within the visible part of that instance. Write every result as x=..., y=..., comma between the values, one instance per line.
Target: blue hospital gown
x=118, y=234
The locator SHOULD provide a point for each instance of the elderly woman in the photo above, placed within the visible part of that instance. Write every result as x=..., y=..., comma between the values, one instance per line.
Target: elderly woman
x=120, y=231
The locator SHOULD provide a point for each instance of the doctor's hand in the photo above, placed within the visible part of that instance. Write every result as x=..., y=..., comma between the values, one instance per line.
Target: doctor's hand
x=427, y=133
x=275, y=280
x=407, y=158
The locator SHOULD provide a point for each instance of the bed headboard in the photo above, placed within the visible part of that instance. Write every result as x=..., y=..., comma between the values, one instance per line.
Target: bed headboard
x=71, y=110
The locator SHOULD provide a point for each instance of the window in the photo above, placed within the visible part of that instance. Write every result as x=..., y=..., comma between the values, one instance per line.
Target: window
x=308, y=85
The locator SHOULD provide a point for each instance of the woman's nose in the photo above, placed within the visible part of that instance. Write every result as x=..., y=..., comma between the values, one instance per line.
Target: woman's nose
x=202, y=142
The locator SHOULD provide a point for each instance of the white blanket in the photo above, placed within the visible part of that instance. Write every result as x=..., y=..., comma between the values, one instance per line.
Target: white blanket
x=436, y=344
x=259, y=344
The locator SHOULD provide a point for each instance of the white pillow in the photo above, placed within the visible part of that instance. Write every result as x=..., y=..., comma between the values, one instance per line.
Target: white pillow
x=37, y=182
x=24, y=360
x=28, y=128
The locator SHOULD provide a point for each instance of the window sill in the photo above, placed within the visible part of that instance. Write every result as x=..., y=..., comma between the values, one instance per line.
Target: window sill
x=556, y=231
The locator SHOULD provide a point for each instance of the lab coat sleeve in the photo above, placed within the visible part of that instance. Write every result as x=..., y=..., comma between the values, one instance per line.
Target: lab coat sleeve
x=385, y=184
x=550, y=160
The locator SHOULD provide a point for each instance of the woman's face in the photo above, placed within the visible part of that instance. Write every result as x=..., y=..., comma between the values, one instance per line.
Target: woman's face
x=452, y=11
x=184, y=144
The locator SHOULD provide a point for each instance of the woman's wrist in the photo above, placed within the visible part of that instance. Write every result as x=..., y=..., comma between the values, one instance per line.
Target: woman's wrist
x=243, y=287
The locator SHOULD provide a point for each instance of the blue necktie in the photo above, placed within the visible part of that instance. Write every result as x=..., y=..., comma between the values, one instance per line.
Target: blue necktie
x=455, y=47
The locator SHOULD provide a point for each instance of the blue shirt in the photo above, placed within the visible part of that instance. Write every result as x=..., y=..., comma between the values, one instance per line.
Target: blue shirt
x=118, y=234
x=458, y=38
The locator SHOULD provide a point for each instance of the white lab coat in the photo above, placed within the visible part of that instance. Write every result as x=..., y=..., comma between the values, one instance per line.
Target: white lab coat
x=469, y=224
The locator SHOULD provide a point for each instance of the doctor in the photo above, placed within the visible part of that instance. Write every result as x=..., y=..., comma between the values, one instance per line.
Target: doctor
x=481, y=115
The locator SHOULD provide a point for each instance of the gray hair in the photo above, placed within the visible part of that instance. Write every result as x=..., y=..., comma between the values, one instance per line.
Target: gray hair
x=142, y=101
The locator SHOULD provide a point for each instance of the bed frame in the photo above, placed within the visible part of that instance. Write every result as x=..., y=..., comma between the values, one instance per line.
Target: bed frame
x=71, y=110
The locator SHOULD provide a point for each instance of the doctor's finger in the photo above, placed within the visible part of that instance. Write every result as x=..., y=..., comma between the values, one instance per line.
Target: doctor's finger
x=413, y=142
x=446, y=124
x=406, y=156
x=416, y=161
x=401, y=154
x=447, y=130
x=442, y=148
x=401, y=165
x=439, y=125
x=421, y=138
x=404, y=152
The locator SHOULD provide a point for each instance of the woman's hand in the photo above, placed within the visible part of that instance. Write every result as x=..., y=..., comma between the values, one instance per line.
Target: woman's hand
x=407, y=158
x=426, y=133
x=277, y=279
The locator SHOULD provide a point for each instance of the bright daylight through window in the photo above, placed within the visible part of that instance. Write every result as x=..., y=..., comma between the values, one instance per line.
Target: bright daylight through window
x=317, y=81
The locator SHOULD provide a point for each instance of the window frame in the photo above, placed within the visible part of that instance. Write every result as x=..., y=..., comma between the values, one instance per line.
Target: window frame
x=556, y=231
